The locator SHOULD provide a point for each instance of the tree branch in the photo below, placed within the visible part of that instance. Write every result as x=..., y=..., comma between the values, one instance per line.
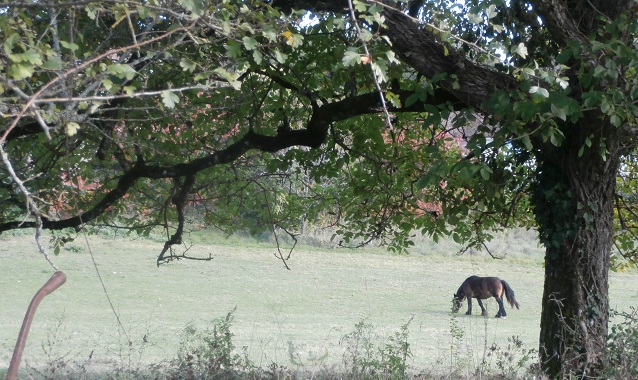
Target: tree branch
x=313, y=136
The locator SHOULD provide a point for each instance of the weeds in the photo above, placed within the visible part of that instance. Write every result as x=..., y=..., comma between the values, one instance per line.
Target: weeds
x=457, y=334
x=514, y=359
x=210, y=354
x=511, y=362
x=358, y=357
x=622, y=347
x=364, y=360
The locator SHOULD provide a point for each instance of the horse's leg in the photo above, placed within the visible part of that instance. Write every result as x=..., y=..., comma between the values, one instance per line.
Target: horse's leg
x=483, y=311
x=469, y=306
x=501, y=309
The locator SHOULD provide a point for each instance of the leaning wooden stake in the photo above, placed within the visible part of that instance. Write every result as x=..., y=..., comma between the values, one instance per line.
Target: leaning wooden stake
x=54, y=282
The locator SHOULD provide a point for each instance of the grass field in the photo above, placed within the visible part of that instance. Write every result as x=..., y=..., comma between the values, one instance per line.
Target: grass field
x=294, y=318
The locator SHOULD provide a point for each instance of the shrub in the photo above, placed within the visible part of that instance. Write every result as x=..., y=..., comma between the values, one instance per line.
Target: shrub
x=364, y=360
x=210, y=353
x=622, y=347
x=514, y=359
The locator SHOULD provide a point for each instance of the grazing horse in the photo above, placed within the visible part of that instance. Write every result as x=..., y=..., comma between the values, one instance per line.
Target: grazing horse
x=483, y=288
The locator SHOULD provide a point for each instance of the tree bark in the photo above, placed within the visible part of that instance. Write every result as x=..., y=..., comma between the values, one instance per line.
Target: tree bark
x=573, y=201
x=423, y=50
x=574, y=209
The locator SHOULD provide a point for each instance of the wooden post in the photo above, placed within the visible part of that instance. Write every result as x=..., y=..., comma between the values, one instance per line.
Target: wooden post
x=49, y=287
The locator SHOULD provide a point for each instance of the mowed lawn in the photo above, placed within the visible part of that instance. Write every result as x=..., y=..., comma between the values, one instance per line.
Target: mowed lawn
x=304, y=311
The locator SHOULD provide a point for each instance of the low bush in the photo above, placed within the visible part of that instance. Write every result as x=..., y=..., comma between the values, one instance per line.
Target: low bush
x=622, y=346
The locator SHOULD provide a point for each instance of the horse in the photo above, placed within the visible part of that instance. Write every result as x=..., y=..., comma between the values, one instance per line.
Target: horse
x=483, y=288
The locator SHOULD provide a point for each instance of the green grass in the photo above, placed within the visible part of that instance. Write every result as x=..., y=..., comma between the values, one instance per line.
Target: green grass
x=306, y=310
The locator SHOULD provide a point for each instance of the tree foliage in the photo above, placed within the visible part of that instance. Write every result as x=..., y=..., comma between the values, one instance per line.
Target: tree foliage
x=383, y=118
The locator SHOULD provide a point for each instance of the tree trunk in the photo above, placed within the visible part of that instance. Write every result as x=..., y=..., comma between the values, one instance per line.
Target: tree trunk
x=574, y=208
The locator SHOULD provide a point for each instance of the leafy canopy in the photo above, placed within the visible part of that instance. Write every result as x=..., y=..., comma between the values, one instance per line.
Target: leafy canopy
x=255, y=115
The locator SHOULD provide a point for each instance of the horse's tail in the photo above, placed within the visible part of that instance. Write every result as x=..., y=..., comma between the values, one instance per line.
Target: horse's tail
x=509, y=294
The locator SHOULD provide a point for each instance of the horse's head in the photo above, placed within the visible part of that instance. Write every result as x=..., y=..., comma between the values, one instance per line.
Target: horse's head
x=457, y=301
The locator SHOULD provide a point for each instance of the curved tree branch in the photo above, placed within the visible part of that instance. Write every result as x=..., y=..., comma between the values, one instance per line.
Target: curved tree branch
x=313, y=136
x=574, y=21
x=180, y=200
x=423, y=50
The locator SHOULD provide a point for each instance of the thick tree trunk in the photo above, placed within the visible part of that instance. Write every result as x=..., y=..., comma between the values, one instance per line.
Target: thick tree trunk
x=573, y=202
x=574, y=208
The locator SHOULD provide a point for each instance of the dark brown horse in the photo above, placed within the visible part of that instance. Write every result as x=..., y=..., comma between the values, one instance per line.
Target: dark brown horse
x=483, y=288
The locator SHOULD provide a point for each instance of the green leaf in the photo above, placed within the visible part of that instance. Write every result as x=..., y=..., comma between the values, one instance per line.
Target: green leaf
x=564, y=56
x=230, y=78
x=563, y=82
x=520, y=49
x=485, y=172
x=394, y=99
x=188, y=65
x=122, y=71
x=475, y=19
x=108, y=84
x=360, y=6
x=366, y=35
x=269, y=33
x=526, y=110
x=257, y=56
x=71, y=128
x=351, y=57
x=250, y=43
x=491, y=12
x=592, y=99
x=597, y=45
x=539, y=90
x=556, y=137
x=10, y=42
x=130, y=90
x=194, y=6
x=380, y=71
x=20, y=71
x=246, y=27
x=615, y=120
x=169, y=98
x=53, y=63
x=233, y=49
x=280, y=57
x=559, y=112
x=419, y=95
x=69, y=45
x=438, y=77
x=297, y=40
x=527, y=142
x=32, y=56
